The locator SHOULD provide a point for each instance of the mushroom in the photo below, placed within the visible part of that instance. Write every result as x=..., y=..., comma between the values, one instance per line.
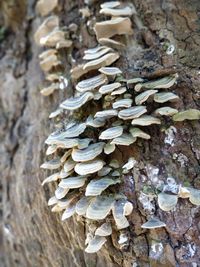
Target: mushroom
x=55, y=113
x=44, y=7
x=124, y=140
x=136, y=132
x=69, y=211
x=190, y=114
x=104, y=230
x=165, y=111
x=95, y=244
x=164, y=97
x=97, y=186
x=145, y=120
x=104, y=171
x=129, y=165
x=153, y=223
x=47, y=26
x=76, y=102
x=109, y=113
x=96, y=123
x=111, y=133
x=82, y=205
x=110, y=71
x=103, y=61
x=163, y=83
x=69, y=165
x=194, y=197
x=92, y=166
x=50, y=89
x=108, y=88
x=52, y=178
x=52, y=164
x=99, y=207
x=109, y=28
x=110, y=4
x=112, y=43
x=118, y=214
x=125, y=11
x=52, y=201
x=51, y=149
x=131, y=113
x=73, y=182
x=61, y=192
x=122, y=103
x=65, y=155
x=119, y=91
x=89, y=153
x=167, y=202
x=91, y=83
x=109, y=148
x=141, y=98
x=92, y=56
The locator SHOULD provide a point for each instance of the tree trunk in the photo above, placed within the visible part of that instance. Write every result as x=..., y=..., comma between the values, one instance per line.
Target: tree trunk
x=34, y=236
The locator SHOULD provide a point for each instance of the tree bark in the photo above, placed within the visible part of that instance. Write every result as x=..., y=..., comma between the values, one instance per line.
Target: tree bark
x=31, y=234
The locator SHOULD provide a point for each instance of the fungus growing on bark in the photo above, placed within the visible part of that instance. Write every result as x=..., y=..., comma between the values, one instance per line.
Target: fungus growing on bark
x=85, y=179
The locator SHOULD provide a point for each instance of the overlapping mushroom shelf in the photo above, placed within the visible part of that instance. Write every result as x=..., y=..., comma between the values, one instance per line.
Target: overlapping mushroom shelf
x=86, y=179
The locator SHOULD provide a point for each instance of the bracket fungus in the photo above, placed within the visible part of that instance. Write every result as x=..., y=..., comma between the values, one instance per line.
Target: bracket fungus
x=84, y=177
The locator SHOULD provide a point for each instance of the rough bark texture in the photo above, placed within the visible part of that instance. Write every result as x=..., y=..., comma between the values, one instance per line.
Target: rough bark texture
x=31, y=234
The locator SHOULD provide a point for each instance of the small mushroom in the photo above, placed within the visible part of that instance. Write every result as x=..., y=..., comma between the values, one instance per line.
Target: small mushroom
x=96, y=123
x=96, y=187
x=109, y=113
x=122, y=103
x=54, y=37
x=110, y=71
x=145, y=120
x=91, y=83
x=61, y=192
x=55, y=113
x=119, y=91
x=131, y=113
x=166, y=111
x=112, y=43
x=52, y=164
x=184, y=192
x=95, y=244
x=52, y=201
x=153, y=223
x=194, y=197
x=130, y=164
x=104, y=171
x=73, y=182
x=164, y=97
x=51, y=149
x=65, y=156
x=190, y=114
x=76, y=102
x=167, y=202
x=94, y=50
x=125, y=11
x=92, y=166
x=44, y=7
x=136, y=132
x=108, y=88
x=73, y=131
x=50, y=89
x=141, y=98
x=63, y=44
x=124, y=140
x=109, y=148
x=82, y=205
x=69, y=211
x=47, y=26
x=69, y=165
x=115, y=26
x=118, y=214
x=92, y=56
x=103, y=61
x=163, y=83
x=104, y=230
x=99, y=207
x=52, y=178
x=89, y=153
x=111, y=133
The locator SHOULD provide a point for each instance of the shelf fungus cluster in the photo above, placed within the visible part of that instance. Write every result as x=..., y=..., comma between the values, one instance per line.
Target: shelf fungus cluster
x=51, y=36
x=86, y=178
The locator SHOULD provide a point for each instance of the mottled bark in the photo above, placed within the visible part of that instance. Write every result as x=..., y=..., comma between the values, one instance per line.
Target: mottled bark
x=31, y=234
